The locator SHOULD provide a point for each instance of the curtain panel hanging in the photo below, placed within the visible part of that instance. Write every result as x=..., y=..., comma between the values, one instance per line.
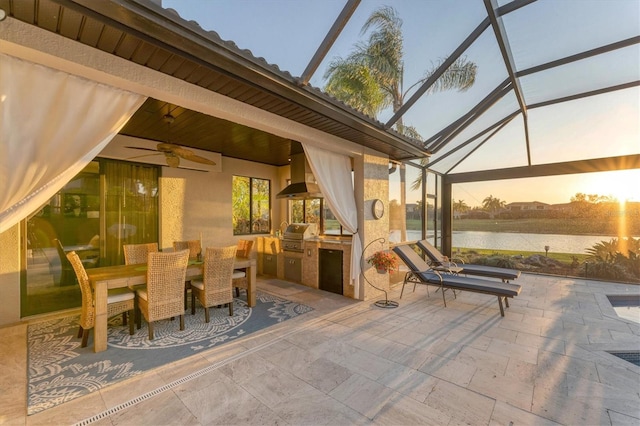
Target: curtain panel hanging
x=52, y=124
x=333, y=172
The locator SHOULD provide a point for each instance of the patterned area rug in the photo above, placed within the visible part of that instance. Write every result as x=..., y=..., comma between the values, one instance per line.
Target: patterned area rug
x=60, y=370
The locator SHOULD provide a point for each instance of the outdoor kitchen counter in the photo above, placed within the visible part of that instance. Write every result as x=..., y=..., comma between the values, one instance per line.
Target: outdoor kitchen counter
x=267, y=247
x=270, y=258
x=329, y=240
x=310, y=272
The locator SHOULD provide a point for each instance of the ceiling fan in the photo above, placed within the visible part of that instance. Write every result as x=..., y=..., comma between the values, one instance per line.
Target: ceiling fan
x=172, y=152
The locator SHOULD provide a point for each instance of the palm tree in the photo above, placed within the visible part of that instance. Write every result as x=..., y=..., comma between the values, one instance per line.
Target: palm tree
x=370, y=79
x=493, y=205
x=459, y=207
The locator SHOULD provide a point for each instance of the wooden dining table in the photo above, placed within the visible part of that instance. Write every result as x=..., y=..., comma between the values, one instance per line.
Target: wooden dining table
x=107, y=277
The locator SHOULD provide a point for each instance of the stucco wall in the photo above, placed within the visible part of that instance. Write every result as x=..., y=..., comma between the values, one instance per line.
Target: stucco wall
x=195, y=204
x=10, y=275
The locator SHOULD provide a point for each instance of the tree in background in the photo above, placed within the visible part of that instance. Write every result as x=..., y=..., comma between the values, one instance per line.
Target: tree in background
x=370, y=79
x=460, y=207
x=493, y=205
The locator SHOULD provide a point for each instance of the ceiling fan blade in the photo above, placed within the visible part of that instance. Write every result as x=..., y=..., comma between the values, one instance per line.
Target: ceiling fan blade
x=167, y=147
x=171, y=156
x=183, y=152
x=144, y=155
x=188, y=155
x=141, y=148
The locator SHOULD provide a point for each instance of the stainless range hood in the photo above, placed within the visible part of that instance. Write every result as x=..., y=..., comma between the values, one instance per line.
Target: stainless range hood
x=303, y=184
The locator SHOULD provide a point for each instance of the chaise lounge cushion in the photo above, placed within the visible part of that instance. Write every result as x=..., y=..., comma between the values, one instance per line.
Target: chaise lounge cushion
x=440, y=261
x=470, y=284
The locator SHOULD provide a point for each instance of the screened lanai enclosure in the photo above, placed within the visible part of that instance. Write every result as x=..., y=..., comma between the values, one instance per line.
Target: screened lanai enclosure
x=454, y=92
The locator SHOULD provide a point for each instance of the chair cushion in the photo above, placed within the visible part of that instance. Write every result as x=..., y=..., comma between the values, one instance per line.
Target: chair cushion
x=238, y=274
x=199, y=284
x=142, y=293
x=119, y=295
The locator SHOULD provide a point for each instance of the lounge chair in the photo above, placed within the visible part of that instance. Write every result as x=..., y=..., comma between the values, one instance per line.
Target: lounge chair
x=421, y=273
x=440, y=262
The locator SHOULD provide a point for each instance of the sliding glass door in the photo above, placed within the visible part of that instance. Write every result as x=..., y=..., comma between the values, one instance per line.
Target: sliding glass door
x=131, y=208
x=106, y=205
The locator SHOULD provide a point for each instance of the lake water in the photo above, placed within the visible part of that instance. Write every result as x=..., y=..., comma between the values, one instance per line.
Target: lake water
x=516, y=241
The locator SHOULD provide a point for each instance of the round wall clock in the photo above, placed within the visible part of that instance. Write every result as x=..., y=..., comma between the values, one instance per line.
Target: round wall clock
x=377, y=208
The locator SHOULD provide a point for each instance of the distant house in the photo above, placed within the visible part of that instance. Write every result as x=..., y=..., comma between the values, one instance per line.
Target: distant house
x=527, y=206
x=561, y=206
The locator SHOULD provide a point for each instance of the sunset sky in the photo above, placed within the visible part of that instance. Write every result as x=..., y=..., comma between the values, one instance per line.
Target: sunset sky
x=622, y=185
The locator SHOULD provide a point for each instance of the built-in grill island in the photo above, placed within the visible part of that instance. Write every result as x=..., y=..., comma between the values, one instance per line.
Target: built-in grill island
x=300, y=255
x=293, y=248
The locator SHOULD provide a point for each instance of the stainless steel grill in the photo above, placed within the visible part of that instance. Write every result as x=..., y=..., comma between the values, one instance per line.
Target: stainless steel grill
x=295, y=234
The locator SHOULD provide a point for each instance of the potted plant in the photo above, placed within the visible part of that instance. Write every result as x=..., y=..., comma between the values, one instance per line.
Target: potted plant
x=383, y=261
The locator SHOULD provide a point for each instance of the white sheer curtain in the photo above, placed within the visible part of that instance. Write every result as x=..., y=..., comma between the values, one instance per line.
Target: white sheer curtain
x=52, y=124
x=333, y=173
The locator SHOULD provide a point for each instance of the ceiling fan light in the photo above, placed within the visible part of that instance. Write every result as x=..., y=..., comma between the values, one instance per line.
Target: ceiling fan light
x=173, y=161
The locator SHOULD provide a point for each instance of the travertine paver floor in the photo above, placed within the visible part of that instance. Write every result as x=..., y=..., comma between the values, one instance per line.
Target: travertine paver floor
x=348, y=362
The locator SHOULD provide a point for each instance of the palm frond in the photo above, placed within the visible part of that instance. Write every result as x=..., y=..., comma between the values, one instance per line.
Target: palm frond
x=353, y=84
x=460, y=76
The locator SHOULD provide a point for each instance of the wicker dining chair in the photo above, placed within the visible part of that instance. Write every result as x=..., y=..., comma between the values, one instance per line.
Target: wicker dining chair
x=240, y=280
x=215, y=288
x=163, y=295
x=66, y=272
x=195, y=249
x=137, y=253
x=193, y=245
x=119, y=301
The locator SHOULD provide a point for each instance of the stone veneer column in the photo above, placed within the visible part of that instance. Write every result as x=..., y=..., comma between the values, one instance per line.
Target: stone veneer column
x=376, y=185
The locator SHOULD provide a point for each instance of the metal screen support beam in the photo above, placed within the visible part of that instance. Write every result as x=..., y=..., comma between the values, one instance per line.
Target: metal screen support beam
x=329, y=39
x=580, y=56
x=447, y=218
x=503, y=123
x=480, y=109
x=608, y=164
x=507, y=56
x=436, y=75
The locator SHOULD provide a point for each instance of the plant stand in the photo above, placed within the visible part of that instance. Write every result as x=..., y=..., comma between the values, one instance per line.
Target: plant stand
x=386, y=303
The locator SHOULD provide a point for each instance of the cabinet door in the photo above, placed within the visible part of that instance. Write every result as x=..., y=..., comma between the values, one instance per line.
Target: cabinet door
x=293, y=269
x=330, y=270
x=270, y=264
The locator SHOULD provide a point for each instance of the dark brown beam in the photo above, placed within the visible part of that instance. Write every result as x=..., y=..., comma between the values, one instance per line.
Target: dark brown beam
x=513, y=6
x=502, y=125
x=476, y=112
x=498, y=125
x=329, y=39
x=509, y=62
x=433, y=141
x=447, y=218
x=624, y=162
x=579, y=56
x=586, y=94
